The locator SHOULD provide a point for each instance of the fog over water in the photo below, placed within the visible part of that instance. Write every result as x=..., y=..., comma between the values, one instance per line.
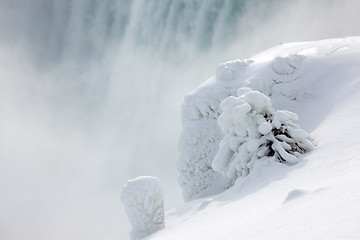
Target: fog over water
x=90, y=95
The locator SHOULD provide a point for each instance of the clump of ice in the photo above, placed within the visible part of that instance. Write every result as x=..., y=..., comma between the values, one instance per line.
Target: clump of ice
x=254, y=130
x=144, y=204
x=287, y=64
x=229, y=70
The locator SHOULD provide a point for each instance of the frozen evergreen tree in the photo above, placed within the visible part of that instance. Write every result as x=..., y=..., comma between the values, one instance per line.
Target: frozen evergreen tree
x=253, y=130
x=144, y=204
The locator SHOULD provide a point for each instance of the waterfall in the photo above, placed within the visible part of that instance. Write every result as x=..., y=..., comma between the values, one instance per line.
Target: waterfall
x=90, y=95
x=166, y=26
x=87, y=29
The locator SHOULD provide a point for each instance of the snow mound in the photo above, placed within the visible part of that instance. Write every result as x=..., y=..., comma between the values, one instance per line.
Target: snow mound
x=253, y=130
x=286, y=79
x=203, y=106
x=286, y=65
x=229, y=71
x=294, y=194
x=284, y=75
x=144, y=204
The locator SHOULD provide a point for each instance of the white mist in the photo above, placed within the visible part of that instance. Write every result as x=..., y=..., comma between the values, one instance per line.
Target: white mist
x=90, y=96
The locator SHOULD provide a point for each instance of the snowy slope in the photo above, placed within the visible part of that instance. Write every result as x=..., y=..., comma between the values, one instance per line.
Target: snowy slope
x=318, y=198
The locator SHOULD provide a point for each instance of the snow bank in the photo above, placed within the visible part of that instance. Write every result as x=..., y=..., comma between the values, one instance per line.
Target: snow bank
x=144, y=204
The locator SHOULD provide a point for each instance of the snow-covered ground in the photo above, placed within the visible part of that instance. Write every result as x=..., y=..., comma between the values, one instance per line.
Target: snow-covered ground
x=318, y=198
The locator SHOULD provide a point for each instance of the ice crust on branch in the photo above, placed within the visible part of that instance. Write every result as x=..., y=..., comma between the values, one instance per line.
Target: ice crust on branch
x=253, y=130
x=144, y=204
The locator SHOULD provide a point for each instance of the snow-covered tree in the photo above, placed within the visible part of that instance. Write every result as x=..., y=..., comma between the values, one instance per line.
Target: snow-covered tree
x=144, y=204
x=201, y=134
x=198, y=144
x=253, y=130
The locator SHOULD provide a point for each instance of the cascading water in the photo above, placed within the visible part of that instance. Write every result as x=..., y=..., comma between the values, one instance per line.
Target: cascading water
x=90, y=95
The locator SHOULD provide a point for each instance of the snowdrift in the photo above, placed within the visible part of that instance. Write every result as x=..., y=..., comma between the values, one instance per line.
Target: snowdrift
x=317, y=198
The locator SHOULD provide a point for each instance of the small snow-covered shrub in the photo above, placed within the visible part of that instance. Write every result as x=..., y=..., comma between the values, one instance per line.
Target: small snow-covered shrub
x=253, y=130
x=144, y=204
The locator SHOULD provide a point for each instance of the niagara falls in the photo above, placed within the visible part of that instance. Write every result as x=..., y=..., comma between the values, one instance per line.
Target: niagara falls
x=218, y=119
